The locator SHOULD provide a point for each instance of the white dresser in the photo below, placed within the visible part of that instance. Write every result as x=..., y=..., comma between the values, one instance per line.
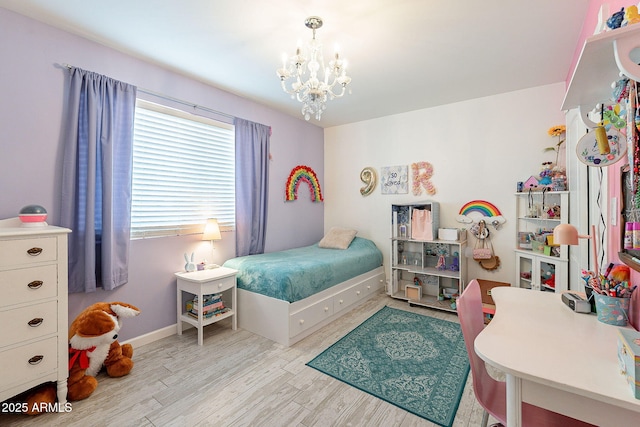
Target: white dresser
x=33, y=308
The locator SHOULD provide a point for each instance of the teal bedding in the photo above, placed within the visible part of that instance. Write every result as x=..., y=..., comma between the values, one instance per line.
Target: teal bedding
x=295, y=274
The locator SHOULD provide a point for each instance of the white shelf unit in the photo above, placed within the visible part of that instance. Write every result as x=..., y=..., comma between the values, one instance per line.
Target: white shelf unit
x=533, y=271
x=603, y=57
x=534, y=268
x=411, y=259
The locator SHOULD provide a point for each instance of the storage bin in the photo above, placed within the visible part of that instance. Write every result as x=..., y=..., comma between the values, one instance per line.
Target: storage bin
x=611, y=310
x=413, y=292
x=485, y=290
x=452, y=234
x=537, y=246
x=629, y=358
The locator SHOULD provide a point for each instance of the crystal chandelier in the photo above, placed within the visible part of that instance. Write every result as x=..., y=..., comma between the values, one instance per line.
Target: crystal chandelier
x=320, y=80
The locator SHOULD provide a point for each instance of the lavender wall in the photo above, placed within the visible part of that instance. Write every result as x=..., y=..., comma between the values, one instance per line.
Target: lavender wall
x=32, y=97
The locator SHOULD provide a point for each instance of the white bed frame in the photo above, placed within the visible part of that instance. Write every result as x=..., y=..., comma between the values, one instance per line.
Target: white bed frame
x=287, y=323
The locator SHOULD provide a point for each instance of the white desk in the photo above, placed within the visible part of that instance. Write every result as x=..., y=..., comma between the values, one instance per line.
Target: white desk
x=556, y=359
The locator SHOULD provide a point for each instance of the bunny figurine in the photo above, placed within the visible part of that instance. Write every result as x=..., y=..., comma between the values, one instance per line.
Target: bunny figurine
x=190, y=265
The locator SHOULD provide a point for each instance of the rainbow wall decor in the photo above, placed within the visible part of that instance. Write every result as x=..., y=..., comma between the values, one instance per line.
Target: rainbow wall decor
x=480, y=209
x=300, y=174
x=483, y=207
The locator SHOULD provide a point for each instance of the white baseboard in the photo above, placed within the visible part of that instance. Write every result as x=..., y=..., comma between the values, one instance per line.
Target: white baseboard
x=152, y=336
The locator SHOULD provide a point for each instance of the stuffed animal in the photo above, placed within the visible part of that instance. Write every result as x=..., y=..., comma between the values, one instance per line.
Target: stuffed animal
x=551, y=281
x=93, y=345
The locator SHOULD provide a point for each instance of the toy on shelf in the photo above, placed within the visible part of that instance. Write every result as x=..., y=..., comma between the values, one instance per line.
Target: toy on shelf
x=615, y=20
x=631, y=15
x=442, y=263
x=455, y=263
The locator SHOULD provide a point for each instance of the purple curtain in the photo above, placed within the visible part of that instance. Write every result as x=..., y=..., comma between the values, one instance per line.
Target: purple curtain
x=96, y=179
x=252, y=185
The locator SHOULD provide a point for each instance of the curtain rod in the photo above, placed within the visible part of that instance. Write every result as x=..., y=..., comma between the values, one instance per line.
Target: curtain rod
x=172, y=99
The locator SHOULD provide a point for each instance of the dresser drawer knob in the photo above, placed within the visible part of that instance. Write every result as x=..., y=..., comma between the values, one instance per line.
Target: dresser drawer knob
x=35, y=322
x=358, y=293
x=36, y=284
x=326, y=308
x=34, y=251
x=36, y=359
x=301, y=321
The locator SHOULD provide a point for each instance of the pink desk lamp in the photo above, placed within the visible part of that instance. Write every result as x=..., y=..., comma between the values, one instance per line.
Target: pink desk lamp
x=567, y=234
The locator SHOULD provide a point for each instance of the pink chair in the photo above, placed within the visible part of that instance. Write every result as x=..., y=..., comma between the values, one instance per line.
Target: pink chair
x=490, y=393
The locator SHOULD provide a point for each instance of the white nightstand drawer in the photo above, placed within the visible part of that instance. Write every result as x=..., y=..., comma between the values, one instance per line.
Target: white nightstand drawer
x=28, y=284
x=28, y=323
x=27, y=251
x=28, y=362
x=224, y=284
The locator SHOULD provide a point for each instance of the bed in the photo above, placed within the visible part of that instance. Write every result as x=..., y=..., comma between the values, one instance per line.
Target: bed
x=287, y=295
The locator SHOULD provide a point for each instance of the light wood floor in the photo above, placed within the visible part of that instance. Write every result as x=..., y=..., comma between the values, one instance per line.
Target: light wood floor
x=240, y=379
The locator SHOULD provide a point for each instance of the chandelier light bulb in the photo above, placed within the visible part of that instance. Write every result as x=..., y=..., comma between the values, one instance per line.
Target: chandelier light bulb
x=313, y=84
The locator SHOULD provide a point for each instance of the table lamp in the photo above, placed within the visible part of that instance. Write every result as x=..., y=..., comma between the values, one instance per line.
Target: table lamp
x=211, y=233
x=567, y=234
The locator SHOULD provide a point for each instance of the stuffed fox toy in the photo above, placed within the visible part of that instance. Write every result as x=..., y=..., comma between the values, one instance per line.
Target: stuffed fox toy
x=93, y=345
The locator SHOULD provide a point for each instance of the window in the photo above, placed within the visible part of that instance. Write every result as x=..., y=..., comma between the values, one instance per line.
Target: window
x=183, y=172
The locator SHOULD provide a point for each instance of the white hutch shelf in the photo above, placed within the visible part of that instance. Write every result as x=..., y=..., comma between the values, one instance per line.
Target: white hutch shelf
x=603, y=57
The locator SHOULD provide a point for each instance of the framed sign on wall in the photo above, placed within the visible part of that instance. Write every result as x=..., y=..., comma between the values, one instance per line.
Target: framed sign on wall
x=394, y=179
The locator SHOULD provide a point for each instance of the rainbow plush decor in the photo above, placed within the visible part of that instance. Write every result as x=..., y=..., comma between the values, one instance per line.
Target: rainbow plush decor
x=481, y=206
x=300, y=174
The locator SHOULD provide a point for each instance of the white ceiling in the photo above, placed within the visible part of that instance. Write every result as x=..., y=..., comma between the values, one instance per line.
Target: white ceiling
x=403, y=55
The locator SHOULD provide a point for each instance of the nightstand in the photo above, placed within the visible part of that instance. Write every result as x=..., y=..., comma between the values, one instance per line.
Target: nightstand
x=201, y=283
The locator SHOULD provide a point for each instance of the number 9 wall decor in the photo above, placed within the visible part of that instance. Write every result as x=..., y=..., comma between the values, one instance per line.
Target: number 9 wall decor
x=369, y=177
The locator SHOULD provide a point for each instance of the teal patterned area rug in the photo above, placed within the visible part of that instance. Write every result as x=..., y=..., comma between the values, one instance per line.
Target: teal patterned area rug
x=418, y=363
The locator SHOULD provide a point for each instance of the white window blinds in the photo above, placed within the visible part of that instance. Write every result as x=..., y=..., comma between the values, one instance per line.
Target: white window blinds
x=183, y=172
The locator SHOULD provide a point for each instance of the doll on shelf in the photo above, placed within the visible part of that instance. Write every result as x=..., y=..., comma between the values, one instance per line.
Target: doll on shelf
x=442, y=263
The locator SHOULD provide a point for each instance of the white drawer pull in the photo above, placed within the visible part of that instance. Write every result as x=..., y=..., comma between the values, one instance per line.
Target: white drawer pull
x=35, y=322
x=301, y=321
x=341, y=301
x=36, y=359
x=358, y=293
x=326, y=309
x=36, y=284
x=34, y=251
x=368, y=286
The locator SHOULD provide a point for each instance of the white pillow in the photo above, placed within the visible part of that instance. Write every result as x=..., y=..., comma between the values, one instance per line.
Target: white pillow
x=337, y=238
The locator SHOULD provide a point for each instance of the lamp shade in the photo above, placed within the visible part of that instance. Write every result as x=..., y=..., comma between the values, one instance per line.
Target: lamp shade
x=211, y=230
x=565, y=234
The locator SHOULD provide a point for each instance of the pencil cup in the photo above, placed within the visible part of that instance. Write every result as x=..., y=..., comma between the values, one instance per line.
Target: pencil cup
x=611, y=310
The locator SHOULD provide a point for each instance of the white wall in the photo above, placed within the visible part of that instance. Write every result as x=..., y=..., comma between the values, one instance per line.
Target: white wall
x=479, y=150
